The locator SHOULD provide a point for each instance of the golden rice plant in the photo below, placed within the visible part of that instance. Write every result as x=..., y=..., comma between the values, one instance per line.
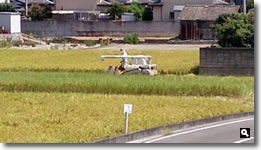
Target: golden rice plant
x=80, y=118
x=169, y=62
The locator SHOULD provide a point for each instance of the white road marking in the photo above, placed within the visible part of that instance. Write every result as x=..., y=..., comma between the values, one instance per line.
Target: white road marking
x=244, y=140
x=200, y=129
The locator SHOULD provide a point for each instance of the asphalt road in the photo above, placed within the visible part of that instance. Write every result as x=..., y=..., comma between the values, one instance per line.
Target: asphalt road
x=219, y=132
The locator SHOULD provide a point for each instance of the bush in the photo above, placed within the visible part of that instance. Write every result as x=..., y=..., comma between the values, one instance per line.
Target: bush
x=105, y=42
x=235, y=30
x=140, y=12
x=5, y=44
x=131, y=39
x=34, y=35
x=29, y=43
x=7, y=7
x=90, y=42
x=17, y=43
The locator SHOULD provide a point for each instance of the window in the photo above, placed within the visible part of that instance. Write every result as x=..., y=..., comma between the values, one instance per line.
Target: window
x=171, y=15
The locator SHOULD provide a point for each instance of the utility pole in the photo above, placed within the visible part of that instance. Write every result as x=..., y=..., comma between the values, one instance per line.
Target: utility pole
x=244, y=6
x=26, y=8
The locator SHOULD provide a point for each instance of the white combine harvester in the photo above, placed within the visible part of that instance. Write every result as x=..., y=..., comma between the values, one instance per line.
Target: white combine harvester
x=140, y=64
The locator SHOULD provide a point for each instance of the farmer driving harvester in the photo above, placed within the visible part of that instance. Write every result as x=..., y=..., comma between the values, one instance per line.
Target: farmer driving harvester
x=124, y=61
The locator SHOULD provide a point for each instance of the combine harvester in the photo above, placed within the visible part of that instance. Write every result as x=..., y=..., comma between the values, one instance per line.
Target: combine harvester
x=140, y=64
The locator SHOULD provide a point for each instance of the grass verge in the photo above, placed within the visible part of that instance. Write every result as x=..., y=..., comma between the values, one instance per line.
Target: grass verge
x=80, y=118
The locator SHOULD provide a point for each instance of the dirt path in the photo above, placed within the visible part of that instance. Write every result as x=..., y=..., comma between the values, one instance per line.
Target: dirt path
x=115, y=47
x=154, y=47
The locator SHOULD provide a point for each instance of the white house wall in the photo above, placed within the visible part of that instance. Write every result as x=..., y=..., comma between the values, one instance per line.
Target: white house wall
x=15, y=24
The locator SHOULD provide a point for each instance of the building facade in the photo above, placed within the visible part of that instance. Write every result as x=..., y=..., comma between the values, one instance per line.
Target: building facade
x=196, y=21
x=84, y=5
x=168, y=10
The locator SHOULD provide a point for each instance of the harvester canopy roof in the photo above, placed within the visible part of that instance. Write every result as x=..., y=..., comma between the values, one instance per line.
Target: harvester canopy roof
x=120, y=56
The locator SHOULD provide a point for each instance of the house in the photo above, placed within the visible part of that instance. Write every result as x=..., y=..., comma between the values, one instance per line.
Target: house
x=163, y=10
x=168, y=10
x=71, y=15
x=20, y=4
x=67, y=10
x=196, y=20
x=92, y=5
x=79, y=5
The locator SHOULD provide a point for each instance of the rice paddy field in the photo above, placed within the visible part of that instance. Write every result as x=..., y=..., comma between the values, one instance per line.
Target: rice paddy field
x=64, y=96
x=169, y=62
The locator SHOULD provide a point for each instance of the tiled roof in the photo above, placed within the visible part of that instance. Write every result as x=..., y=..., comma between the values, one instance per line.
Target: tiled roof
x=206, y=12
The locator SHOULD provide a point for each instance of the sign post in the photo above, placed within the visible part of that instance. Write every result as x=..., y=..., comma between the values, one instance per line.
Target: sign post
x=126, y=123
x=127, y=111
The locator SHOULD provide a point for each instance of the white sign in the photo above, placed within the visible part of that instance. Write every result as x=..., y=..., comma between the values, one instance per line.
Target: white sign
x=127, y=108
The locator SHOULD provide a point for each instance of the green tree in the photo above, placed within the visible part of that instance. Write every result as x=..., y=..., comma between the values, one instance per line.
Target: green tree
x=137, y=9
x=35, y=13
x=5, y=7
x=47, y=12
x=250, y=4
x=116, y=10
x=236, y=30
x=148, y=14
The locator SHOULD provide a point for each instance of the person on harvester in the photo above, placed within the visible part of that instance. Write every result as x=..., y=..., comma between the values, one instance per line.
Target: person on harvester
x=124, y=61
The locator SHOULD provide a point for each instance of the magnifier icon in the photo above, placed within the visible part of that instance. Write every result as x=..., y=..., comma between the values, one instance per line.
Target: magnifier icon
x=244, y=132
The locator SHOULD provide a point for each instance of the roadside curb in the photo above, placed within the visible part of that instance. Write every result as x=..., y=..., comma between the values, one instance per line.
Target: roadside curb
x=175, y=126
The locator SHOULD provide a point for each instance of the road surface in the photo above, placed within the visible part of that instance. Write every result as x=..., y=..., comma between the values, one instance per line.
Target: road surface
x=219, y=132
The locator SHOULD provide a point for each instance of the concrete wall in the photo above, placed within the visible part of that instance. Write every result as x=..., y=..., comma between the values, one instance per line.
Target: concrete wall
x=226, y=61
x=10, y=37
x=100, y=28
